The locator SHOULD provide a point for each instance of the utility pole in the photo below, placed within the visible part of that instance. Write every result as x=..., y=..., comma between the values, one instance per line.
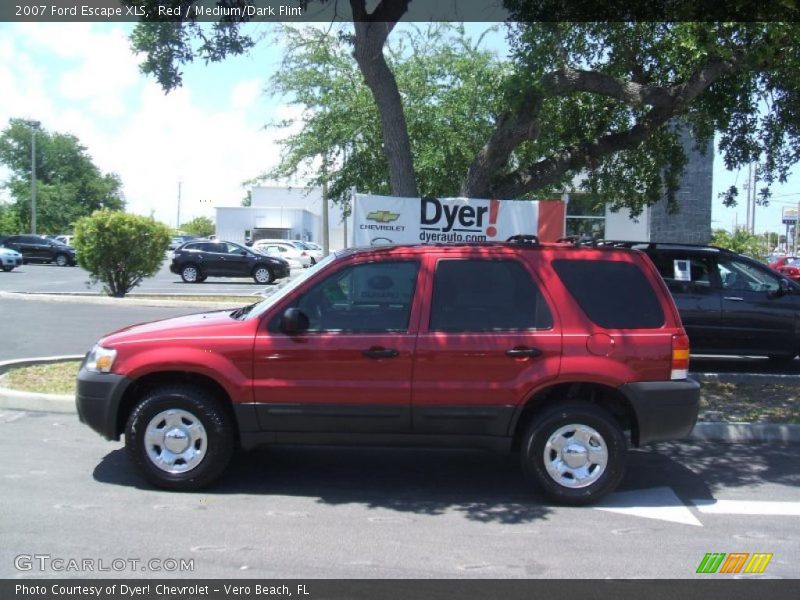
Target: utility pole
x=753, y=215
x=326, y=246
x=178, y=219
x=747, y=187
x=796, y=223
x=34, y=125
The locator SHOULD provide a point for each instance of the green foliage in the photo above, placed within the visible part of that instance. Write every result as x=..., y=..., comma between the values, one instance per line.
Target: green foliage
x=754, y=108
x=451, y=90
x=606, y=102
x=120, y=249
x=199, y=226
x=68, y=184
x=741, y=241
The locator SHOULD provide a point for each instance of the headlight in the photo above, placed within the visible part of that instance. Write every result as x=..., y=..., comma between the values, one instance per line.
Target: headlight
x=100, y=360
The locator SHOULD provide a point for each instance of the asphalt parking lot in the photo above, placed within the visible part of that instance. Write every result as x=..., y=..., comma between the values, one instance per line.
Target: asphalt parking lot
x=384, y=513
x=377, y=513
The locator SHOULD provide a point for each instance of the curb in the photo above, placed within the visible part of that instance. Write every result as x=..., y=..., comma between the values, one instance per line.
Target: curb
x=128, y=301
x=703, y=431
x=746, y=432
x=31, y=401
x=746, y=377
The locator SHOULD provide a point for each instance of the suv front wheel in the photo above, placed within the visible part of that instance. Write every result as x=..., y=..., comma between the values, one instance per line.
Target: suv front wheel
x=574, y=453
x=180, y=437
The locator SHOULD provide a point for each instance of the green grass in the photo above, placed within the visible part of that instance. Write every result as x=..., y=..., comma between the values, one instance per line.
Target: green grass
x=52, y=378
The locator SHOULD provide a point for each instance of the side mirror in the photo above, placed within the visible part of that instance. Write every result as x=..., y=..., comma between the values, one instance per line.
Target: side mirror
x=242, y=252
x=294, y=321
x=784, y=289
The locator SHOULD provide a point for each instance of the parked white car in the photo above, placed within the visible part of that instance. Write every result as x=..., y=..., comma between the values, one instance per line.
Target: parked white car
x=285, y=249
x=313, y=250
x=9, y=259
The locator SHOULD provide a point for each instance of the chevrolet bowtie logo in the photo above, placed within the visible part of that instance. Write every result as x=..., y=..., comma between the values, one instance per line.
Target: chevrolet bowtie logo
x=383, y=216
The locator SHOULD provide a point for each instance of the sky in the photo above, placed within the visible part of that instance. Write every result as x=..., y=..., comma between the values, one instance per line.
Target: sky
x=209, y=134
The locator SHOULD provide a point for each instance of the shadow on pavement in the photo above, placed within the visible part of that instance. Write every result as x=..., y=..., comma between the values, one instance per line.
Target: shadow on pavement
x=698, y=470
x=481, y=486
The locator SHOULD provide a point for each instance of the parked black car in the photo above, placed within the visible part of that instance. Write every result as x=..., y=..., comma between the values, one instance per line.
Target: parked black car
x=195, y=261
x=37, y=248
x=729, y=303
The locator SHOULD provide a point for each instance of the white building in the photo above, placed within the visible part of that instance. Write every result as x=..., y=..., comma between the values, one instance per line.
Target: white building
x=292, y=213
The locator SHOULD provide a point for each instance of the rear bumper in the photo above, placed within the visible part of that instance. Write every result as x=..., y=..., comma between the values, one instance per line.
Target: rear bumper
x=97, y=400
x=665, y=410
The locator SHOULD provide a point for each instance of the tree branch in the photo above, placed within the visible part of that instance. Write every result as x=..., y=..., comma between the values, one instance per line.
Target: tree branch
x=523, y=124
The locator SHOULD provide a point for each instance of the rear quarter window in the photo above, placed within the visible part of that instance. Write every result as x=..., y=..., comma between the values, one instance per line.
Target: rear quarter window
x=613, y=294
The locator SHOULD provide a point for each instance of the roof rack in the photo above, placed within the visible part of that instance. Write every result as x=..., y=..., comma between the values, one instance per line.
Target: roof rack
x=600, y=243
x=528, y=240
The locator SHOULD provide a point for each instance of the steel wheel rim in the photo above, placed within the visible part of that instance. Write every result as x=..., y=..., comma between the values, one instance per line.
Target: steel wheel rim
x=575, y=456
x=190, y=274
x=61, y=260
x=175, y=441
x=262, y=275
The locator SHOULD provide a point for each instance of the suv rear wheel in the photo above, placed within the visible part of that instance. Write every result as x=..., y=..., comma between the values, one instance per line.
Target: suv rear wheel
x=190, y=274
x=263, y=275
x=574, y=453
x=179, y=437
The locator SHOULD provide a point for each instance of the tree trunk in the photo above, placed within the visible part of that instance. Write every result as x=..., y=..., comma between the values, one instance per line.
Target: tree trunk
x=369, y=39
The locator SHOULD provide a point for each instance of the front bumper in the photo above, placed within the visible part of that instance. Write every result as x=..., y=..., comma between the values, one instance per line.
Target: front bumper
x=11, y=261
x=98, y=400
x=665, y=410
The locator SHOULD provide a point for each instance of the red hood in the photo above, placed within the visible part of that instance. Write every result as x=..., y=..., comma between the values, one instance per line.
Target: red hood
x=195, y=325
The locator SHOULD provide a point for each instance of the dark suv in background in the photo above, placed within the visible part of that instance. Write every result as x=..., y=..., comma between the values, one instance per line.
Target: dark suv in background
x=729, y=303
x=37, y=248
x=197, y=260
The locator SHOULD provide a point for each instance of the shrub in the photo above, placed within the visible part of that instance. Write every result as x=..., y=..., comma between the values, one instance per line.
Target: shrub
x=120, y=249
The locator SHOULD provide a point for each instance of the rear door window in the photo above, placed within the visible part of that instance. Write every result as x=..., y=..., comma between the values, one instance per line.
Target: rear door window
x=613, y=294
x=475, y=295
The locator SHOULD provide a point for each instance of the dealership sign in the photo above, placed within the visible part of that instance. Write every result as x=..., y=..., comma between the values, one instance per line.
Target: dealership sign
x=789, y=216
x=381, y=220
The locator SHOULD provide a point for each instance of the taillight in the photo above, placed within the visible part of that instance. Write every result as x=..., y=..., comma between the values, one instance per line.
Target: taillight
x=304, y=254
x=680, y=357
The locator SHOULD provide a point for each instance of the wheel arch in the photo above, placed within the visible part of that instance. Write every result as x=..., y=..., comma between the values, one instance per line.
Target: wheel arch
x=603, y=396
x=136, y=390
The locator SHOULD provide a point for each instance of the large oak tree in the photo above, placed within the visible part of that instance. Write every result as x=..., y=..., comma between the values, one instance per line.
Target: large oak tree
x=606, y=100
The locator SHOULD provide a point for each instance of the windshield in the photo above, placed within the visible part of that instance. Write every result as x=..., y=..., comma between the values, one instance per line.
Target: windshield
x=270, y=301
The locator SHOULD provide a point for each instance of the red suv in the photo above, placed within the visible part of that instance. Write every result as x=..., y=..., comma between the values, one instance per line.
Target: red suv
x=552, y=351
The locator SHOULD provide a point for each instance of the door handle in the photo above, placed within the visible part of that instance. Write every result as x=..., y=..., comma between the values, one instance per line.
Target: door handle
x=378, y=352
x=523, y=352
x=733, y=298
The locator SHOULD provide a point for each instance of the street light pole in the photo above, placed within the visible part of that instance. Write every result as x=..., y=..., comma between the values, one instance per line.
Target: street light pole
x=178, y=219
x=34, y=125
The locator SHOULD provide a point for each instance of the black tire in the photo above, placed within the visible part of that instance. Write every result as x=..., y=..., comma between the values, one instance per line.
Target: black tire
x=191, y=273
x=598, y=428
x=215, y=447
x=62, y=260
x=7, y=269
x=313, y=261
x=202, y=278
x=263, y=275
